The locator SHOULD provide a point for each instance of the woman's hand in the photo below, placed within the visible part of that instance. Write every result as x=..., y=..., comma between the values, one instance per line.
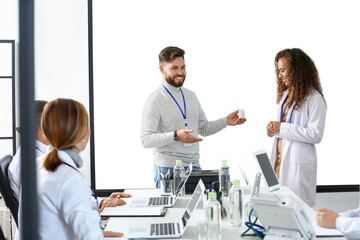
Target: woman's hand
x=326, y=218
x=273, y=127
x=112, y=234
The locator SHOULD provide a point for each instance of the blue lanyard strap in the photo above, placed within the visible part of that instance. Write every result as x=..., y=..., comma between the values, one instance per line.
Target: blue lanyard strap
x=183, y=114
x=284, y=109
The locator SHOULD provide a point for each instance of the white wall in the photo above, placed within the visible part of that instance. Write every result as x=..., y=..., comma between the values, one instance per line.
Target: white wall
x=8, y=31
x=61, y=60
x=230, y=49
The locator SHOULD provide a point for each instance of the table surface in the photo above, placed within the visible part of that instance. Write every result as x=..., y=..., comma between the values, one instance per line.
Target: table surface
x=120, y=224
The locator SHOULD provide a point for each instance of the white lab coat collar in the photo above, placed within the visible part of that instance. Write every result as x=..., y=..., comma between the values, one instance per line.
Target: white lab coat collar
x=41, y=147
x=66, y=158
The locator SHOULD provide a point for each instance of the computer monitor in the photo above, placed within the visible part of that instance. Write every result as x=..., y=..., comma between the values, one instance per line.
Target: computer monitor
x=267, y=170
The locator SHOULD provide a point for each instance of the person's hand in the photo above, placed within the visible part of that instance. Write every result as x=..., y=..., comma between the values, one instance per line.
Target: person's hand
x=326, y=218
x=114, y=200
x=273, y=127
x=185, y=136
x=112, y=234
x=233, y=119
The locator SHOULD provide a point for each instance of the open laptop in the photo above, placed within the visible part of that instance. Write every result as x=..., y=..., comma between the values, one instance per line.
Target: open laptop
x=168, y=229
x=269, y=177
x=162, y=201
x=267, y=170
x=245, y=177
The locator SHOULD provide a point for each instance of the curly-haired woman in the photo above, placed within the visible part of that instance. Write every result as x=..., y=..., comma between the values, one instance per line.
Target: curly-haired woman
x=300, y=122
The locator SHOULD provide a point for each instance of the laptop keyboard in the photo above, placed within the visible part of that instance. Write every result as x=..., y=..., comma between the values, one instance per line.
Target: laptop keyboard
x=161, y=229
x=268, y=196
x=159, y=201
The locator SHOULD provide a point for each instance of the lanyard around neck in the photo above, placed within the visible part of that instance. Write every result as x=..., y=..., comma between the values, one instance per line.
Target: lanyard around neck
x=284, y=109
x=183, y=113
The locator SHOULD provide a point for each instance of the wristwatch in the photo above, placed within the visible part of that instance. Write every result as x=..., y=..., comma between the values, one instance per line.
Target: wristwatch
x=175, y=136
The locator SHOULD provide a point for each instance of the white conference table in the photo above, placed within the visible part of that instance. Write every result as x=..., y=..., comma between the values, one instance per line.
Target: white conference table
x=120, y=224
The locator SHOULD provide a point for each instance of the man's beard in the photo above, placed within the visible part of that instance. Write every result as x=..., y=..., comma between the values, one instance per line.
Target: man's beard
x=171, y=80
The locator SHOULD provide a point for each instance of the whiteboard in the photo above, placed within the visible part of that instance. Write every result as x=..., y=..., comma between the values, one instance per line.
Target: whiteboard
x=229, y=54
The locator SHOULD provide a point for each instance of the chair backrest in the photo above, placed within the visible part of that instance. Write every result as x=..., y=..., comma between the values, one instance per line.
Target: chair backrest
x=6, y=191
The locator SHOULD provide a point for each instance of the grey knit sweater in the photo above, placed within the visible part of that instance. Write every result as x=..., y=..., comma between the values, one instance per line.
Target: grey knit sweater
x=161, y=117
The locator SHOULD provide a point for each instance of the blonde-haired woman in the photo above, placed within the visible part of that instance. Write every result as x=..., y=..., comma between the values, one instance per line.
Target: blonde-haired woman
x=64, y=195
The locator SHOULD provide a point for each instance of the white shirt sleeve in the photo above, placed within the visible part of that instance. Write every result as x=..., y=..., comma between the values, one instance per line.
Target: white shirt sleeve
x=349, y=227
x=150, y=137
x=207, y=128
x=14, y=173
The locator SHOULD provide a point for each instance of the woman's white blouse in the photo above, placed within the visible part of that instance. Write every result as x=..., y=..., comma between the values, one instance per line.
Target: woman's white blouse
x=65, y=204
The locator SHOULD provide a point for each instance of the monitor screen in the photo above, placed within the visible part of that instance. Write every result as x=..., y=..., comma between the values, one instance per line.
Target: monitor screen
x=266, y=169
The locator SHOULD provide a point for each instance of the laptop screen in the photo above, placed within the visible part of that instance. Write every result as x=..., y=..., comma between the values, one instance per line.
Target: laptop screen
x=267, y=170
x=195, y=198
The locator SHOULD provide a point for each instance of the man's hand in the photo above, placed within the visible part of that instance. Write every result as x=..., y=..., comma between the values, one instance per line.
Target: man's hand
x=114, y=200
x=112, y=234
x=326, y=218
x=273, y=127
x=233, y=119
x=185, y=136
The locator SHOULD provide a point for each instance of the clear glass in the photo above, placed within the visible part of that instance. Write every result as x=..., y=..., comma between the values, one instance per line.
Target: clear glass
x=213, y=217
x=236, y=207
x=201, y=227
x=224, y=178
x=178, y=174
x=166, y=187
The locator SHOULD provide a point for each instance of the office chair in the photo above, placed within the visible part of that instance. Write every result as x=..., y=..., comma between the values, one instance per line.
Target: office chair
x=2, y=237
x=6, y=191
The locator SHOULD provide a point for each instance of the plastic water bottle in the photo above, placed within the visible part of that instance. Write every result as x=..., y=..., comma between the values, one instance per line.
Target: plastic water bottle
x=178, y=174
x=213, y=217
x=236, y=204
x=224, y=177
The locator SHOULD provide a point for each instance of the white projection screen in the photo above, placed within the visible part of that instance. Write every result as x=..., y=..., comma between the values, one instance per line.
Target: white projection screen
x=230, y=48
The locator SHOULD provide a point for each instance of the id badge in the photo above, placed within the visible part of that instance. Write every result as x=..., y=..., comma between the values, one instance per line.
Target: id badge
x=187, y=145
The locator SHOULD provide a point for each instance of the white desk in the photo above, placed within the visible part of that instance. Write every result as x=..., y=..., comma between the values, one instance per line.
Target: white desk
x=120, y=224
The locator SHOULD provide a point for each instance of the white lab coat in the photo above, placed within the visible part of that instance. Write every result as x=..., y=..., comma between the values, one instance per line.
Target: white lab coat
x=14, y=169
x=299, y=162
x=15, y=176
x=65, y=210
x=348, y=223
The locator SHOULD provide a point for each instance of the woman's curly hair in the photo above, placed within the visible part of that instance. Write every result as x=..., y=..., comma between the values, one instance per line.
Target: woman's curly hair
x=303, y=76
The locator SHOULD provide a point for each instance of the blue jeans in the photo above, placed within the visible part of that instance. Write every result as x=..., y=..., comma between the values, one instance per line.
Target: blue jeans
x=164, y=170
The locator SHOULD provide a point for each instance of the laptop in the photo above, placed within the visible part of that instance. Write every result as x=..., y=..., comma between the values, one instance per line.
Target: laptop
x=245, y=177
x=162, y=201
x=267, y=170
x=168, y=229
x=269, y=177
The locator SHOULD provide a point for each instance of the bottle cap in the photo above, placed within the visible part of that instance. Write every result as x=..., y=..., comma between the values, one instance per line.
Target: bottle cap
x=224, y=161
x=212, y=195
x=178, y=161
x=236, y=181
